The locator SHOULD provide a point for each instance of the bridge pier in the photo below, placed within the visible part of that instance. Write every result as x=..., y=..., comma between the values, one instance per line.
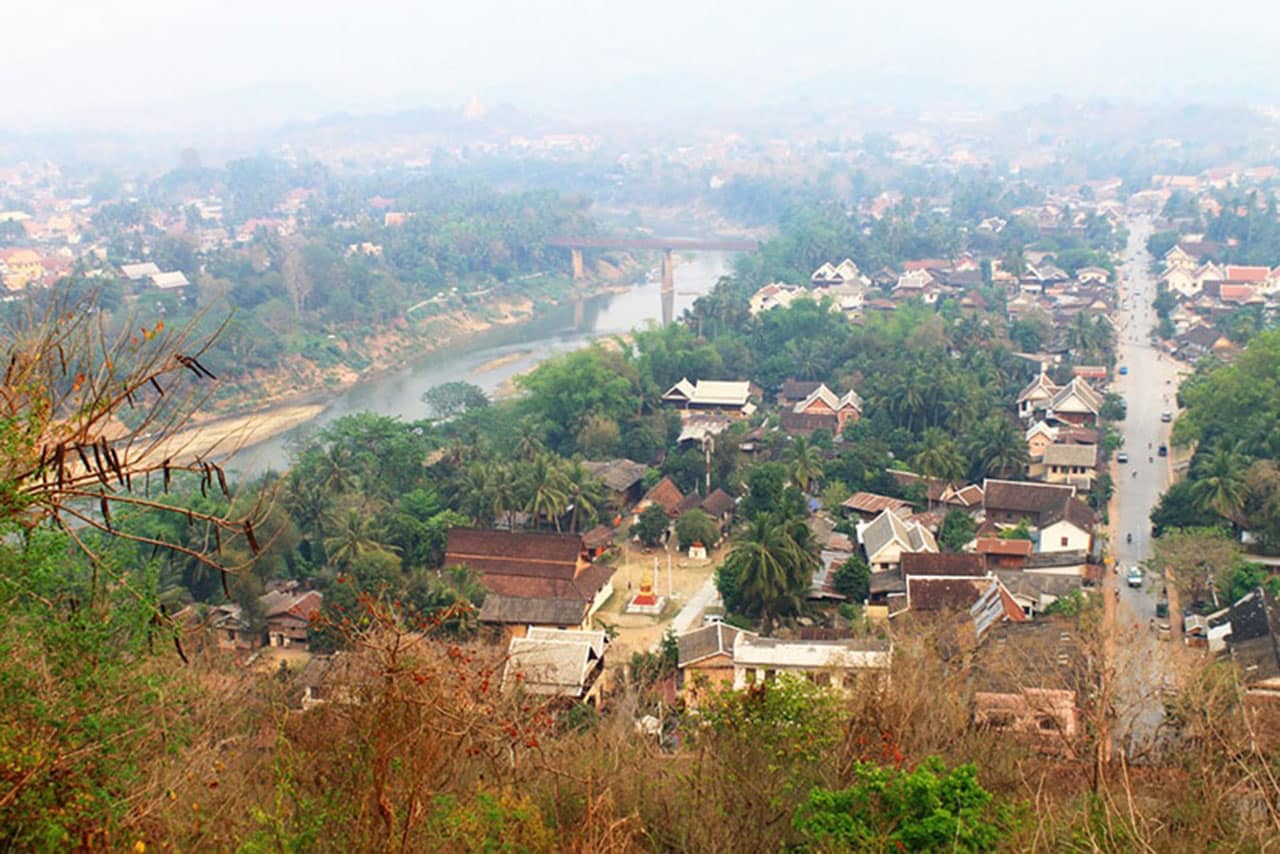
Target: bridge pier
x=668, y=272
x=578, y=273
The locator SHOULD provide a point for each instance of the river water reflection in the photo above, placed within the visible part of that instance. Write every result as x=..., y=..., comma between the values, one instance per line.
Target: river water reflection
x=491, y=358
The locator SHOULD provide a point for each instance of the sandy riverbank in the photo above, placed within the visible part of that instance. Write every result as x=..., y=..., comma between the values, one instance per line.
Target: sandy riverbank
x=219, y=438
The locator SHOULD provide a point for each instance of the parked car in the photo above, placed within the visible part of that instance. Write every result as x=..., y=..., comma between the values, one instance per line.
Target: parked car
x=1124, y=369
x=1134, y=577
x=1164, y=450
x=1166, y=416
x=1122, y=457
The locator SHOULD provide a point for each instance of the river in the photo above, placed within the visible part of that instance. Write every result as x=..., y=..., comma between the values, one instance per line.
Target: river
x=493, y=357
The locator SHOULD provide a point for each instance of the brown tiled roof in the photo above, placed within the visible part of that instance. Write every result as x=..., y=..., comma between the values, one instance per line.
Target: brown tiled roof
x=805, y=422
x=944, y=594
x=521, y=610
x=599, y=537
x=1074, y=511
x=997, y=546
x=584, y=587
x=692, y=501
x=513, y=552
x=795, y=391
x=667, y=495
x=945, y=563
x=718, y=503
x=1018, y=497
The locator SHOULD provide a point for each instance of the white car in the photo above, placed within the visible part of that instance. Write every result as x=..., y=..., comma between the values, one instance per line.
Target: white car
x=1134, y=576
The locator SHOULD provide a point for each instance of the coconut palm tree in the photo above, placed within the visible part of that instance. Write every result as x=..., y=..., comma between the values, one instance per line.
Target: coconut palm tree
x=546, y=489
x=337, y=469
x=1000, y=448
x=504, y=492
x=354, y=535
x=459, y=590
x=775, y=562
x=939, y=456
x=529, y=440
x=474, y=490
x=804, y=463
x=1220, y=484
x=586, y=493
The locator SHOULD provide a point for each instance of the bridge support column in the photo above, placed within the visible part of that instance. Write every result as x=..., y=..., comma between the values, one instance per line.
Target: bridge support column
x=578, y=274
x=668, y=272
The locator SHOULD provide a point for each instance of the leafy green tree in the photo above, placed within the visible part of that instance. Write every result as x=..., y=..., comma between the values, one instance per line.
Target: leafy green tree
x=568, y=391
x=957, y=530
x=1179, y=508
x=599, y=437
x=695, y=526
x=853, y=579
x=1244, y=578
x=1113, y=407
x=886, y=809
x=1020, y=531
x=834, y=494
x=1262, y=508
x=454, y=398
x=764, y=484
x=651, y=525
x=1197, y=561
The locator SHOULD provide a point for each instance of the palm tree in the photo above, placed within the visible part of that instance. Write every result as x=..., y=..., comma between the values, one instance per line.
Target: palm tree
x=939, y=456
x=337, y=473
x=775, y=563
x=529, y=440
x=804, y=463
x=473, y=490
x=1000, y=448
x=546, y=489
x=585, y=493
x=503, y=492
x=459, y=590
x=1220, y=485
x=910, y=401
x=353, y=536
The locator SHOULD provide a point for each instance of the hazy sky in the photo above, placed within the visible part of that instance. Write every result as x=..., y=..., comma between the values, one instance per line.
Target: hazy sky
x=94, y=63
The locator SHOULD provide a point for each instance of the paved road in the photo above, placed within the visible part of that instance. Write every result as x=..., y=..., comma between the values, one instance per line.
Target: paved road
x=1149, y=389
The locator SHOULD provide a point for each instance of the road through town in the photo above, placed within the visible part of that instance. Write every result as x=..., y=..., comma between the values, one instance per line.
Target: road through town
x=1149, y=388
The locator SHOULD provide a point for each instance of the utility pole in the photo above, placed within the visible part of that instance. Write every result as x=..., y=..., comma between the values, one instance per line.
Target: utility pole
x=708, y=446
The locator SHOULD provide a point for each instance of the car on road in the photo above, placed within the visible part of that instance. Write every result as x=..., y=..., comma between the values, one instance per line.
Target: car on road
x=1134, y=577
x=1124, y=369
x=1166, y=416
x=1164, y=451
x=1122, y=457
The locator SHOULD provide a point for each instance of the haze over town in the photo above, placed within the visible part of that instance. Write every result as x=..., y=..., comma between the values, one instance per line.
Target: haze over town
x=151, y=65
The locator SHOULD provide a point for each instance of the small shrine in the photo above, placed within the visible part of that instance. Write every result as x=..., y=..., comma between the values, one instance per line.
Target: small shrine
x=647, y=601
